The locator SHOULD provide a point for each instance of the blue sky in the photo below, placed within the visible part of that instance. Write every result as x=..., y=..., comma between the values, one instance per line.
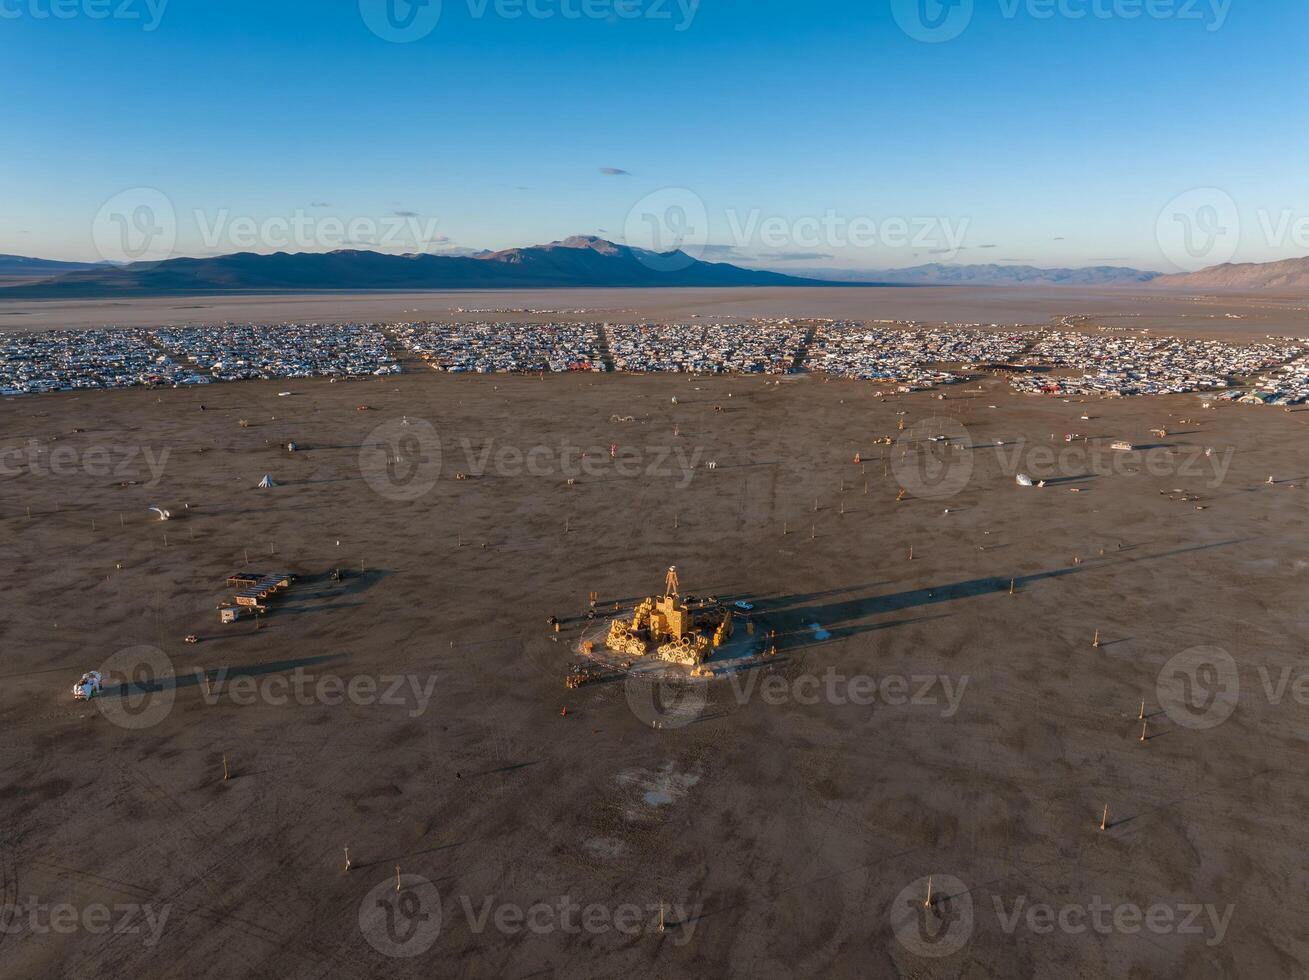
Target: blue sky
x=796, y=135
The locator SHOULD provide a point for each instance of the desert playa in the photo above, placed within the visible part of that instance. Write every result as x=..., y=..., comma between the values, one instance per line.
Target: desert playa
x=1228, y=314
x=966, y=677
x=550, y=491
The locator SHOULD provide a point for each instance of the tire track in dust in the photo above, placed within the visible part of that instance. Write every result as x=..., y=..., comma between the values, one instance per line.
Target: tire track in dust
x=8, y=887
x=135, y=778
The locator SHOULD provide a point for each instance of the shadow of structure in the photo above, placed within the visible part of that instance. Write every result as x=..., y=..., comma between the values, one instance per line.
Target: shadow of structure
x=308, y=588
x=800, y=622
x=217, y=675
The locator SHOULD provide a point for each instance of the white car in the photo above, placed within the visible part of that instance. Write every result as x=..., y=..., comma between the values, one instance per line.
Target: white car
x=88, y=687
x=742, y=604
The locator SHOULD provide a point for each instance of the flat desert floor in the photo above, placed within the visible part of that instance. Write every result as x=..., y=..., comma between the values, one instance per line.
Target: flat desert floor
x=1227, y=315
x=947, y=716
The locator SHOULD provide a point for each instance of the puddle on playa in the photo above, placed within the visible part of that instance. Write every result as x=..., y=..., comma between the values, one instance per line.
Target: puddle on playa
x=657, y=788
x=819, y=632
x=606, y=848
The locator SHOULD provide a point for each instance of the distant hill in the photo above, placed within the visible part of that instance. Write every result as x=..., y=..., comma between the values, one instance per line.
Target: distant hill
x=1291, y=275
x=27, y=268
x=939, y=274
x=578, y=261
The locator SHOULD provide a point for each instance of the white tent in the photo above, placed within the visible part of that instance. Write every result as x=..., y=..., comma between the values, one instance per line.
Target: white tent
x=266, y=482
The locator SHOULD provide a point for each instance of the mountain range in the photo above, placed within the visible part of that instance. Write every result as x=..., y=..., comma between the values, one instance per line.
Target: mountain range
x=939, y=274
x=580, y=261
x=23, y=268
x=1291, y=275
x=577, y=261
